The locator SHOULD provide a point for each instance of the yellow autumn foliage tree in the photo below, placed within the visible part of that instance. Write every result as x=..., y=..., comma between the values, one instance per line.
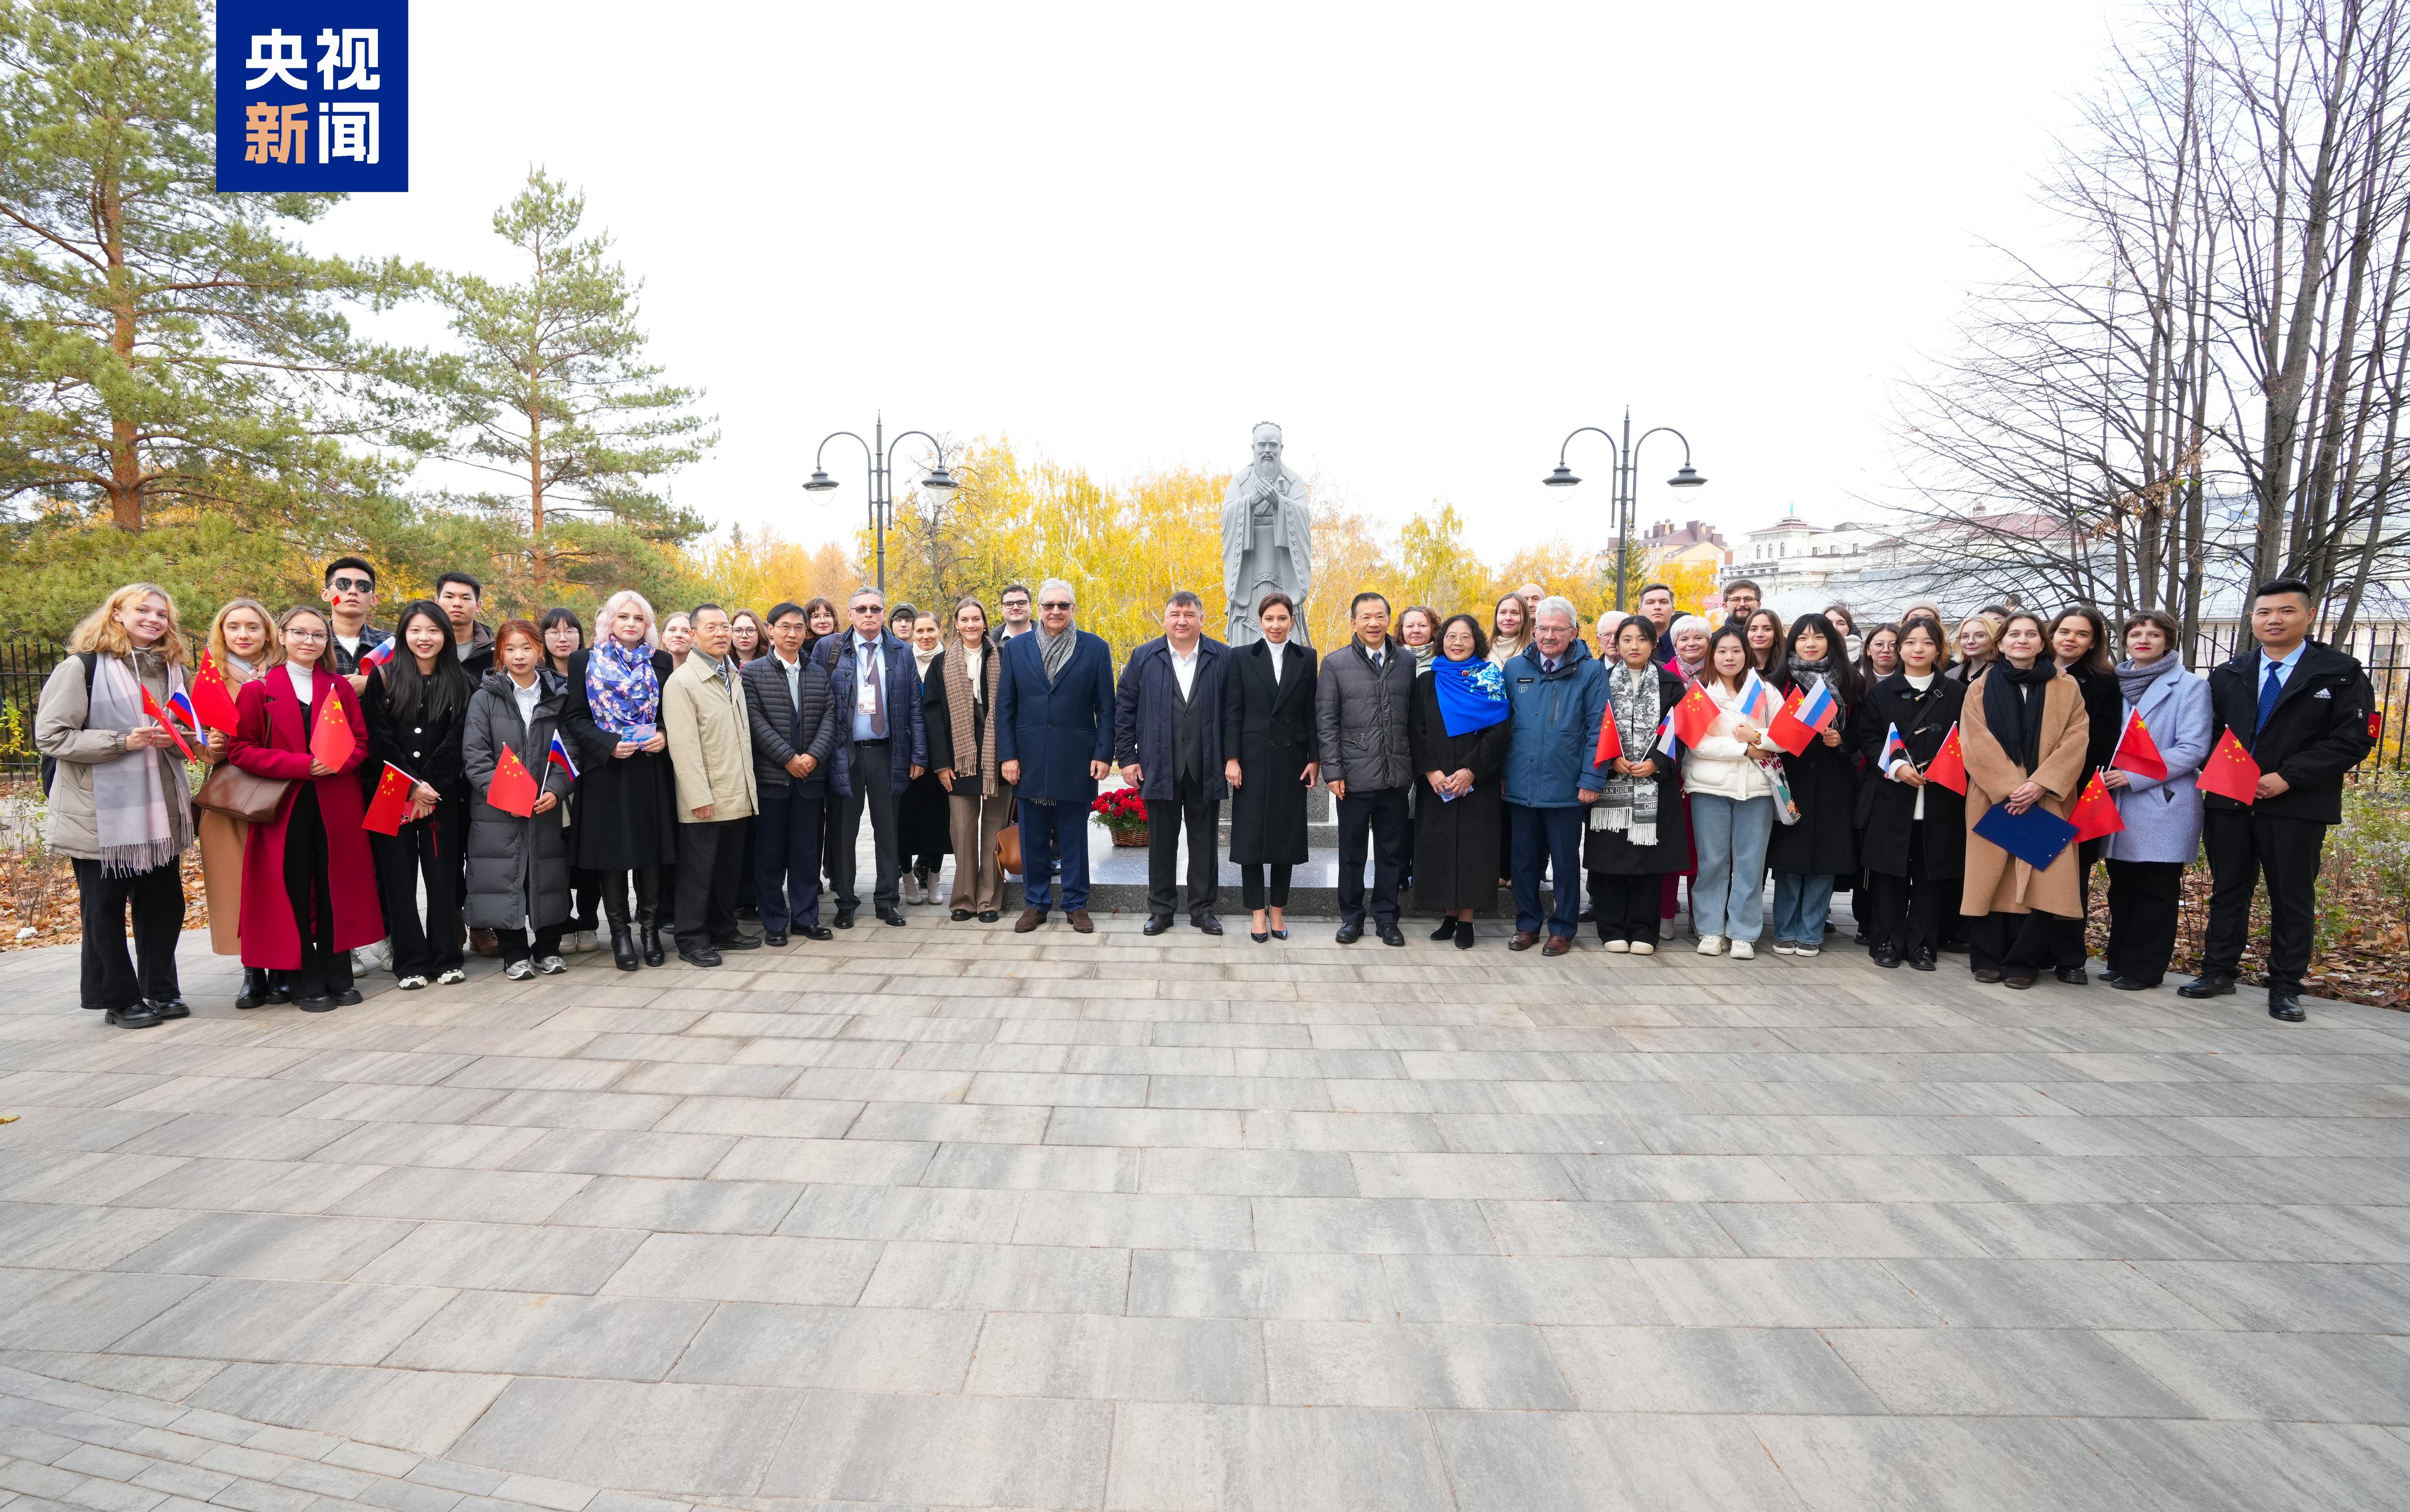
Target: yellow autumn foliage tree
x=1126, y=546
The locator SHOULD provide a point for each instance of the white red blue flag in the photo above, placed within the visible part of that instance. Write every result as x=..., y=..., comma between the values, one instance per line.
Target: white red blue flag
x=1820, y=708
x=1756, y=701
x=380, y=653
x=558, y=755
x=1895, y=749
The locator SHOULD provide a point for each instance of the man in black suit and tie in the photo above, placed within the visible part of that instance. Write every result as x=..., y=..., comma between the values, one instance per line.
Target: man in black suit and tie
x=2307, y=715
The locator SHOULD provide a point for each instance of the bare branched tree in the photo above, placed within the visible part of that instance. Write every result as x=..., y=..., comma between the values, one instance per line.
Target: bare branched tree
x=2203, y=381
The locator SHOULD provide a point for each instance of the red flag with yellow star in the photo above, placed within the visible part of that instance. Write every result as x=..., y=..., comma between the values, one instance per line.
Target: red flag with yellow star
x=2095, y=813
x=331, y=736
x=2230, y=772
x=390, y=808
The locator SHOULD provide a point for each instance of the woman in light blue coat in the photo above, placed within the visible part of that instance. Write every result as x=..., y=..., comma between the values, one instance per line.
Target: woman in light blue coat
x=2162, y=834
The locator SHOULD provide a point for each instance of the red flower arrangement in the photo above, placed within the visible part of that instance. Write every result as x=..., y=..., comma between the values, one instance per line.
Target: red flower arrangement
x=1122, y=811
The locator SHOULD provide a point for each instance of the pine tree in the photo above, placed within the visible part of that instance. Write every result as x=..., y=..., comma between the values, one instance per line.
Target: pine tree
x=162, y=346
x=552, y=392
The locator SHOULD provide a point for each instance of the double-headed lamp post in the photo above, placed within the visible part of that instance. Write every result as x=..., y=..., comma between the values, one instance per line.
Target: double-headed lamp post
x=940, y=482
x=1627, y=485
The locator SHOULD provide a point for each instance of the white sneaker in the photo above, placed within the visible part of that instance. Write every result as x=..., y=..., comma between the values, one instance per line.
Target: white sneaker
x=376, y=957
x=1743, y=951
x=452, y=978
x=413, y=983
x=1807, y=949
x=1783, y=947
x=552, y=965
x=1616, y=947
x=1643, y=947
x=581, y=942
x=1712, y=944
x=520, y=970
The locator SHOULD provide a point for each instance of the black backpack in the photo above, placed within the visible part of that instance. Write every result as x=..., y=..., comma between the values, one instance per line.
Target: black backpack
x=90, y=661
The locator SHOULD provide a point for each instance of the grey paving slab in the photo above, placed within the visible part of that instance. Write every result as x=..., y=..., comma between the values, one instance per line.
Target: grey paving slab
x=951, y=1217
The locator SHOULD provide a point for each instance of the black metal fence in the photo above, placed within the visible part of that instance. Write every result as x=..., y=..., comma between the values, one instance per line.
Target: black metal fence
x=25, y=663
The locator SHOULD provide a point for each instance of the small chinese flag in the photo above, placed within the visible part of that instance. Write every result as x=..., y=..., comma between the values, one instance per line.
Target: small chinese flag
x=511, y=790
x=151, y=707
x=1694, y=716
x=2138, y=753
x=1949, y=764
x=2095, y=813
x=213, y=696
x=330, y=735
x=389, y=809
x=2230, y=772
x=1610, y=739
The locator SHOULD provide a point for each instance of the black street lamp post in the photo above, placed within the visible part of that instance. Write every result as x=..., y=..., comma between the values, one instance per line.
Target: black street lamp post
x=1627, y=485
x=882, y=469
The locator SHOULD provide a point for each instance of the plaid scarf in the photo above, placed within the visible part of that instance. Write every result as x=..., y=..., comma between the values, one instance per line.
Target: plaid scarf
x=1630, y=803
x=143, y=818
x=1055, y=651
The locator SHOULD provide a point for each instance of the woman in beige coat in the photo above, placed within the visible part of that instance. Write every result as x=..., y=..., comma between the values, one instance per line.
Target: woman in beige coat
x=2024, y=735
x=243, y=644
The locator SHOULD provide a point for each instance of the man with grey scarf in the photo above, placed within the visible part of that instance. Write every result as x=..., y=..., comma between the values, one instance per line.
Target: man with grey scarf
x=1054, y=743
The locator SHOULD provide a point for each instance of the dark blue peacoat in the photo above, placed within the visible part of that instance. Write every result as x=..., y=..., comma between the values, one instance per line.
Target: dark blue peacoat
x=1055, y=732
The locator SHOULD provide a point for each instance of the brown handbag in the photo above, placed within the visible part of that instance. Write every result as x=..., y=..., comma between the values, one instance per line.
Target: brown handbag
x=1007, y=840
x=230, y=791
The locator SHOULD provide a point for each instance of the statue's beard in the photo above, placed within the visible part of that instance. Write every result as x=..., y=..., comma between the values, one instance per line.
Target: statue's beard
x=1268, y=467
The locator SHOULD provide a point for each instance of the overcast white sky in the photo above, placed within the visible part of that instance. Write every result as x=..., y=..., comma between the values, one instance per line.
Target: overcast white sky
x=1429, y=240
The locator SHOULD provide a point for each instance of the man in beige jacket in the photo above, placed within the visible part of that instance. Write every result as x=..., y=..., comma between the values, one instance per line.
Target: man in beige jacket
x=711, y=747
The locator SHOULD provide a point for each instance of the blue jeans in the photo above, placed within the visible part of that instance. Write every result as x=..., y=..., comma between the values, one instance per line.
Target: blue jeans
x=1801, y=905
x=1728, y=896
x=1055, y=835
x=1552, y=837
x=786, y=858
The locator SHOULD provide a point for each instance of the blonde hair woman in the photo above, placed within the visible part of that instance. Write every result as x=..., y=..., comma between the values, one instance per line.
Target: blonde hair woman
x=120, y=806
x=243, y=644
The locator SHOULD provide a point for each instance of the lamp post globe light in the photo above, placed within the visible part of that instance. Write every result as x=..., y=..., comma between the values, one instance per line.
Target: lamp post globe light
x=940, y=484
x=1627, y=484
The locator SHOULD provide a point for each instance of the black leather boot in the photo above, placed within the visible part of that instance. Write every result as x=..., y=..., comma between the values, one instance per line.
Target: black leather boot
x=255, y=991
x=648, y=938
x=614, y=909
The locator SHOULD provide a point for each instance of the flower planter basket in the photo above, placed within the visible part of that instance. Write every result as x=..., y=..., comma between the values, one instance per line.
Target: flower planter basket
x=1123, y=813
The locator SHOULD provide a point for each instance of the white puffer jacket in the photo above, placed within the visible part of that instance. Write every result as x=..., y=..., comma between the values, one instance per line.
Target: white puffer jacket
x=1721, y=766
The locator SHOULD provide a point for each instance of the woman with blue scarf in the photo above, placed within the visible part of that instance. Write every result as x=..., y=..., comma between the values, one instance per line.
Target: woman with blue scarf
x=1457, y=730
x=627, y=816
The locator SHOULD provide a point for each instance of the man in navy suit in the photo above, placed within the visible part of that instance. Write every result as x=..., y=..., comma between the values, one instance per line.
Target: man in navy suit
x=1053, y=743
x=881, y=745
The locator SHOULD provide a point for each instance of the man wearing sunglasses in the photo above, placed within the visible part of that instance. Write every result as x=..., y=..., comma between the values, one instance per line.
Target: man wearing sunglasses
x=351, y=595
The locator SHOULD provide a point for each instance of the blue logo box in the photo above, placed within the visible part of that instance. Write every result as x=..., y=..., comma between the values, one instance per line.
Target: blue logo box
x=313, y=95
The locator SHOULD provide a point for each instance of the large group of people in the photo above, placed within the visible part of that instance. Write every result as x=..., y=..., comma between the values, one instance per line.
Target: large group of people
x=660, y=778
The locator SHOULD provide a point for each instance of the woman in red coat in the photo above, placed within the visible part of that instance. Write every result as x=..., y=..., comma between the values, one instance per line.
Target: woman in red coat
x=309, y=886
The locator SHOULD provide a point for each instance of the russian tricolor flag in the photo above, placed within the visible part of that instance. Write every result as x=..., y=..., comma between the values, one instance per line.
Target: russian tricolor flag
x=1756, y=702
x=558, y=755
x=1895, y=749
x=380, y=653
x=181, y=706
x=1818, y=711
x=1666, y=741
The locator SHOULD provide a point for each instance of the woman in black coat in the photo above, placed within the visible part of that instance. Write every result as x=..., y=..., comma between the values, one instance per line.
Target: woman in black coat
x=416, y=707
x=1624, y=889
x=627, y=802
x=1811, y=854
x=1268, y=722
x=1455, y=836
x=1915, y=831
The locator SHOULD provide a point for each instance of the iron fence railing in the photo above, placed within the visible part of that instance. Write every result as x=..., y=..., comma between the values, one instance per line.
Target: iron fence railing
x=25, y=663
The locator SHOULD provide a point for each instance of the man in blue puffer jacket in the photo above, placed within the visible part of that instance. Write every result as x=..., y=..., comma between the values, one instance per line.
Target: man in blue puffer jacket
x=1556, y=691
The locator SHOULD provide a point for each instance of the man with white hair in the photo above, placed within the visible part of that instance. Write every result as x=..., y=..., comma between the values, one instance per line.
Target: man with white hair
x=1556, y=695
x=1054, y=743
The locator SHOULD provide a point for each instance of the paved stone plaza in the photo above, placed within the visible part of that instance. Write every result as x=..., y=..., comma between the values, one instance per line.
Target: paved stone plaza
x=944, y=1216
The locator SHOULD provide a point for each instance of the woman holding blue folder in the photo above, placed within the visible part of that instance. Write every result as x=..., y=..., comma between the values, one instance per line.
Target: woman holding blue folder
x=2025, y=736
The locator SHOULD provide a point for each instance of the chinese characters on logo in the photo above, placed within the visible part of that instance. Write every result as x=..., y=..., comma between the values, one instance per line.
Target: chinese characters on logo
x=347, y=129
